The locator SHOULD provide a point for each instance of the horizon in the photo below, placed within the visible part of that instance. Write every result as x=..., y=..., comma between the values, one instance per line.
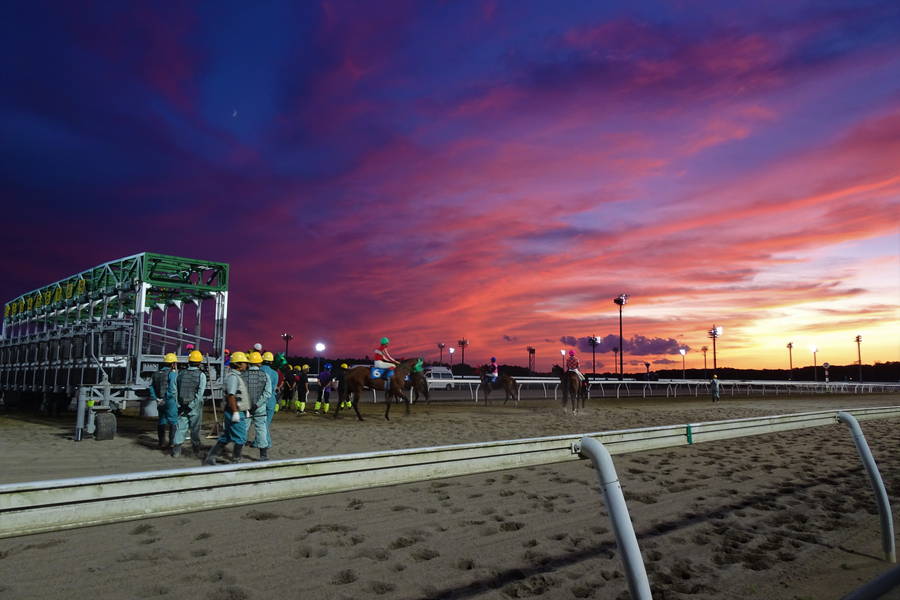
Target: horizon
x=484, y=170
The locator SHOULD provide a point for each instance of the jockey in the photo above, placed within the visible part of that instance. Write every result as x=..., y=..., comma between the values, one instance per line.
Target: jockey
x=494, y=370
x=572, y=365
x=383, y=360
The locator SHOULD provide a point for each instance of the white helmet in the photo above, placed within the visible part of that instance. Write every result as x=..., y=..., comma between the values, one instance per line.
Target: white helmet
x=257, y=346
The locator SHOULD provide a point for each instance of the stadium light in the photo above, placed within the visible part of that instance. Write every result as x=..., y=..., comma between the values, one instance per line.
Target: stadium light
x=682, y=352
x=621, y=299
x=814, y=350
x=320, y=347
x=714, y=334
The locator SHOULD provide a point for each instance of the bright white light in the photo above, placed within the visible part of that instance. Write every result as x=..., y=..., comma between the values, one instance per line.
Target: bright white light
x=320, y=347
x=562, y=352
x=813, y=349
x=719, y=330
x=452, y=350
x=682, y=351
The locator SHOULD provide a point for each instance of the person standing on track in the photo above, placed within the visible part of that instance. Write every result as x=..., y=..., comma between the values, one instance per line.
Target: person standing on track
x=163, y=389
x=237, y=405
x=261, y=391
x=191, y=384
x=715, y=388
x=272, y=404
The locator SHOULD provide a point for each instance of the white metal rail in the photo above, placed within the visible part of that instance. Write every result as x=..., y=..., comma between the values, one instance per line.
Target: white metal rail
x=35, y=507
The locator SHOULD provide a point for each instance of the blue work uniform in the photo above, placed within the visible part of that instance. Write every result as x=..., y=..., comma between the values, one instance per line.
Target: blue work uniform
x=191, y=384
x=273, y=400
x=261, y=393
x=236, y=432
x=168, y=407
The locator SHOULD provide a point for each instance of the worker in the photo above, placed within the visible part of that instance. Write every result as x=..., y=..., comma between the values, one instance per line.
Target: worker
x=340, y=375
x=261, y=392
x=163, y=390
x=237, y=405
x=715, y=388
x=326, y=377
x=272, y=404
x=302, y=391
x=191, y=384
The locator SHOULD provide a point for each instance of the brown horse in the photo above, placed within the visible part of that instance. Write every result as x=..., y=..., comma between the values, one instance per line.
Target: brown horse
x=357, y=379
x=504, y=382
x=572, y=388
x=418, y=384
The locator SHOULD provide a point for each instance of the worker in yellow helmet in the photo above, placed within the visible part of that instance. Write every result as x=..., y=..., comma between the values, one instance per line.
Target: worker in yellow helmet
x=302, y=391
x=237, y=407
x=191, y=384
x=339, y=374
x=272, y=403
x=163, y=390
x=261, y=392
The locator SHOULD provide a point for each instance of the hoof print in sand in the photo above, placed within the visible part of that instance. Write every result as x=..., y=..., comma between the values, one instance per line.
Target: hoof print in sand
x=537, y=585
x=423, y=554
x=380, y=587
x=230, y=592
x=344, y=577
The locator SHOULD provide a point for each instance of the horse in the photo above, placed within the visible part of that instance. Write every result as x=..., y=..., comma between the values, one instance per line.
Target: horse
x=418, y=383
x=504, y=382
x=357, y=379
x=572, y=388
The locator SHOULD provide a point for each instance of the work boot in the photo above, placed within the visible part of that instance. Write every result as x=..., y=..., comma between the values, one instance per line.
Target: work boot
x=326, y=407
x=318, y=407
x=196, y=449
x=263, y=454
x=161, y=434
x=176, y=450
x=236, y=453
x=213, y=453
x=172, y=434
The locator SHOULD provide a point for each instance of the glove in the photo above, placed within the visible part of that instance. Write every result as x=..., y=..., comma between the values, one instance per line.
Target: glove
x=160, y=402
x=235, y=417
x=276, y=408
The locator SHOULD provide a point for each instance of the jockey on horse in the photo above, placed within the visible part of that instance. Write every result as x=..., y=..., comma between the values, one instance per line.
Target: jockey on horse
x=493, y=370
x=572, y=367
x=383, y=359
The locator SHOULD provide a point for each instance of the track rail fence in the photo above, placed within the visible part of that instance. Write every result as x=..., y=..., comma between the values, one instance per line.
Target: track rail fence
x=43, y=506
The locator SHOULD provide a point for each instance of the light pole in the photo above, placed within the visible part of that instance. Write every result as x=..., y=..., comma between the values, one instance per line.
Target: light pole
x=320, y=348
x=813, y=349
x=859, y=356
x=531, y=365
x=714, y=333
x=682, y=352
x=621, y=299
x=704, y=350
x=441, y=346
x=593, y=342
x=451, y=350
x=616, y=359
x=287, y=340
x=790, y=347
x=562, y=353
x=462, y=344
x=647, y=365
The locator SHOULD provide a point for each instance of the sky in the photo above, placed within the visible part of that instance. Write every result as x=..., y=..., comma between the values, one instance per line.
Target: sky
x=489, y=170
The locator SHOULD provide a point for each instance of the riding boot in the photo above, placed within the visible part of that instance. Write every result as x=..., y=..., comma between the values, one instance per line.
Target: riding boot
x=236, y=453
x=213, y=453
x=161, y=434
x=263, y=454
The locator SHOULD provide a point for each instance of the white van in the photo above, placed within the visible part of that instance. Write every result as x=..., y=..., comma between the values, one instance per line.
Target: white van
x=439, y=378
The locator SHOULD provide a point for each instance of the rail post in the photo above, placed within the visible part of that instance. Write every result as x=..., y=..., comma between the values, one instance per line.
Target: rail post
x=638, y=584
x=881, y=497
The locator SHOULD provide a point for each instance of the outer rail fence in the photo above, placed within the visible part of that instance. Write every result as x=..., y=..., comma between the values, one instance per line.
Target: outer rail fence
x=36, y=507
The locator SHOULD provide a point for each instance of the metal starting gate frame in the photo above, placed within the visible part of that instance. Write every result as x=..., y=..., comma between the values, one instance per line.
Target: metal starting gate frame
x=101, y=333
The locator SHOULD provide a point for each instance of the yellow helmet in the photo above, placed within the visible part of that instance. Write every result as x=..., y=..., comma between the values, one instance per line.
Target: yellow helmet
x=305, y=367
x=170, y=358
x=297, y=367
x=238, y=357
x=267, y=356
x=344, y=366
x=195, y=356
x=255, y=358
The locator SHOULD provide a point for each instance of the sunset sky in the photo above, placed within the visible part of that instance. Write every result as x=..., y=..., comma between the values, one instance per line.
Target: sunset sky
x=491, y=170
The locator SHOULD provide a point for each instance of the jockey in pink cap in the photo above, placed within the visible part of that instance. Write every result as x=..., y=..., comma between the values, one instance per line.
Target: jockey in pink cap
x=572, y=365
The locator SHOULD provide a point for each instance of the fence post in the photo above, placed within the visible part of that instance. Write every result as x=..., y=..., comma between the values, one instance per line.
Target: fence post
x=626, y=540
x=881, y=497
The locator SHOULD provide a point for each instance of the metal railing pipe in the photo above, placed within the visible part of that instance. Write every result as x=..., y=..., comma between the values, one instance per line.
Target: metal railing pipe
x=881, y=497
x=626, y=540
